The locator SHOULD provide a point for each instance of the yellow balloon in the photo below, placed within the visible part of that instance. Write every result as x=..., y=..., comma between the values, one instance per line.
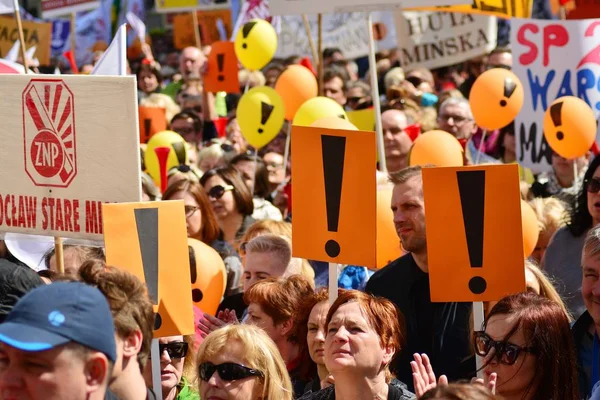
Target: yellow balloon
x=334, y=123
x=438, y=148
x=177, y=155
x=260, y=114
x=496, y=98
x=570, y=127
x=255, y=44
x=317, y=108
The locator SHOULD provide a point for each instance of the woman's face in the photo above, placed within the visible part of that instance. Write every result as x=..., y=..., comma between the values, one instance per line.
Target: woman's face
x=317, y=332
x=224, y=206
x=513, y=380
x=247, y=169
x=148, y=82
x=241, y=389
x=352, y=345
x=509, y=143
x=257, y=317
x=193, y=215
x=171, y=368
x=541, y=246
x=594, y=201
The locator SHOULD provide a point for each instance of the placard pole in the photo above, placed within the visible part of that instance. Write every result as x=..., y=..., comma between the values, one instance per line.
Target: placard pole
x=375, y=95
x=196, y=29
x=311, y=42
x=321, y=66
x=333, y=282
x=73, y=36
x=21, y=36
x=59, y=254
x=478, y=319
x=156, y=378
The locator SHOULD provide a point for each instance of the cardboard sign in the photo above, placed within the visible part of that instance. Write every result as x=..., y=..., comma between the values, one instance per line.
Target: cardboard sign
x=168, y=6
x=437, y=39
x=364, y=120
x=183, y=28
x=552, y=59
x=334, y=195
x=474, y=234
x=151, y=120
x=62, y=157
x=149, y=240
x=298, y=7
x=499, y=8
x=58, y=8
x=222, y=74
x=37, y=34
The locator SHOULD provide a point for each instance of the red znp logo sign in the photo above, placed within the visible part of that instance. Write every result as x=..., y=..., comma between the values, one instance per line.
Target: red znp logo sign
x=49, y=133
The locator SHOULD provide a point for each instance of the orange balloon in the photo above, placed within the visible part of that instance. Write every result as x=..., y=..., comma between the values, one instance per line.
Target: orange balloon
x=388, y=242
x=334, y=123
x=295, y=85
x=209, y=277
x=438, y=148
x=570, y=127
x=531, y=230
x=496, y=98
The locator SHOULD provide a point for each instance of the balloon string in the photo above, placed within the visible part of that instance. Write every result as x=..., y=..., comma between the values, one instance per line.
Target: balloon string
x=575, y=180
x=254, y=175
x=247, y=83
x=478, y=156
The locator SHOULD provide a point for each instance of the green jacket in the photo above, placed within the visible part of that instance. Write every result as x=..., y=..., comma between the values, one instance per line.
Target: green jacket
x=187, y=392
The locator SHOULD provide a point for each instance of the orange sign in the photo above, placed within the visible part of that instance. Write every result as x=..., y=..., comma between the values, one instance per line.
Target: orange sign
x=152, y=120
x=183, y=27
x=474, y=235
x=334, y=195
x=150, y=241
x=222, y=74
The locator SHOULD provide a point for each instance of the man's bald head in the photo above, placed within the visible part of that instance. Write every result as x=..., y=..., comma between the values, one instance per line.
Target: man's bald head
x=190, y=62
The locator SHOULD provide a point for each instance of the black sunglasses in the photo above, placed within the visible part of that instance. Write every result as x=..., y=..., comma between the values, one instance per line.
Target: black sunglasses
x=227, y=371
x=216, y=192
x=592, y=185
x=174, y=349
x=506, y=352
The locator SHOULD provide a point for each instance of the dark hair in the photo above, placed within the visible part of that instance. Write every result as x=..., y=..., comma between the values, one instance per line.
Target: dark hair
x=333, y=72
x=330, y=51
x=547, y=330
x=210, y=230
x=580, y=219
x=261, y=176
x=500, y=149
x=500, y=50
x=151, y=69
x=186, y=114
x=241, y=192
x=458, y=391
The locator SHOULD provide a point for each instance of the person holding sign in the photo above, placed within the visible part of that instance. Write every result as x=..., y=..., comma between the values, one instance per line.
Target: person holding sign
x=438, y=329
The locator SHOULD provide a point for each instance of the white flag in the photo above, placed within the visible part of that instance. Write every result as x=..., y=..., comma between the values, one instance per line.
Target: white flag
x=7, y=6
x=114, y=59
x=137, y=25
x=13, y=53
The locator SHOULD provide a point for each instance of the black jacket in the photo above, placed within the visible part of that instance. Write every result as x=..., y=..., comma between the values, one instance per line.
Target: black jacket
x=441, y=330
x=580, y=329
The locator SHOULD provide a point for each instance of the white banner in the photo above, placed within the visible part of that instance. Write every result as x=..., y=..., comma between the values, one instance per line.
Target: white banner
x=552, y=59
x=61, y=158
x=437, y=39
x=299, y=7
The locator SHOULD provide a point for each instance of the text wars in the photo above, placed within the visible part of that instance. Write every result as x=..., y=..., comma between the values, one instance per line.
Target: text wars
x=50, y=214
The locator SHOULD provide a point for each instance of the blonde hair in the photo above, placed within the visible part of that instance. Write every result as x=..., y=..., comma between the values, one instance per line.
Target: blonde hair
x=256, y=78
x=260, y=353
x=213, y=151
x=550, y=213
x=160, y=100
x=393, y=77
x=279, y=246
x=428, y=119
x=547, y=289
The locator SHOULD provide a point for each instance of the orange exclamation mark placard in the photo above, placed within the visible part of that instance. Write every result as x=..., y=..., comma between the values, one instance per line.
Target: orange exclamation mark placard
x=222, y=72
x=151, y=120
x=334, y=195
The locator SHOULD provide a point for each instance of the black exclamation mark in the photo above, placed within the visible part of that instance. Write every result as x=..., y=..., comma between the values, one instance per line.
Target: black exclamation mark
x=471, y=185
x=334, y=151
x=246, y=31
x=146, y=220
x=509, y=89
x=196, y=293
x=221, y=65
x=147, y=128
x=266, y=110
x=555, y=113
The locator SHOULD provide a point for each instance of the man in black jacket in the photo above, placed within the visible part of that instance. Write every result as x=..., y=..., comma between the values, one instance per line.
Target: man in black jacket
x=441, y=330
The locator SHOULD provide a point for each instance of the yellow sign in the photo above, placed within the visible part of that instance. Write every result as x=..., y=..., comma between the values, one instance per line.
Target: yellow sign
x=36, y=34
x=499, y=8
x=168, y=6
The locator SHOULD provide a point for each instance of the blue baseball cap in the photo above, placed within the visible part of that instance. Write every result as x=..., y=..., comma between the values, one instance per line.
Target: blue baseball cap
x=59, y=313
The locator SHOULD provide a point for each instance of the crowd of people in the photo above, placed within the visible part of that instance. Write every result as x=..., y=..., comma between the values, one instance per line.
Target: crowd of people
x=86, y=333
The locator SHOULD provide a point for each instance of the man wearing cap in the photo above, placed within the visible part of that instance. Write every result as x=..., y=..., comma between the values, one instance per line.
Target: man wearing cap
x=58, y=342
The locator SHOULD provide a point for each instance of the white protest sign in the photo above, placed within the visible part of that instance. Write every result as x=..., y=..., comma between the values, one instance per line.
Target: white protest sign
x=437, y=39
x=346, y=31
x=59, y=8
x=298, y=7
x=552, y=59
x=70, y=143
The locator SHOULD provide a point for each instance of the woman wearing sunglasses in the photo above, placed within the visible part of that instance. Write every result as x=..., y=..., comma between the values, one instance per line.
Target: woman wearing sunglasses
x=177, y=365
x=562, y=260
x=240, y=362
x=527, y=350
x=231, y=201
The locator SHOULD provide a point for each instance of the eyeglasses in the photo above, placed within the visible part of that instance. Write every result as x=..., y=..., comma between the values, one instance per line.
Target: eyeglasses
x=185, y=131
x=458, y=120
x=216, y=192
x=174, y=349
x=506, y=352
x=592, y=185
x=190, y=210
x=227, y=371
